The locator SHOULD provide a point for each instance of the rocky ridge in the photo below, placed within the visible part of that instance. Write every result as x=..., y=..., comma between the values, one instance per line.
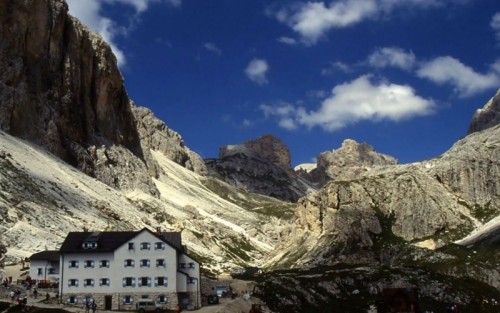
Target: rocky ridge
x=431, y=203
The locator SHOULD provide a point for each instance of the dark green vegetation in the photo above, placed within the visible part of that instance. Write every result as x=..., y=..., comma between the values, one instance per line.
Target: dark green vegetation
x=356, y=289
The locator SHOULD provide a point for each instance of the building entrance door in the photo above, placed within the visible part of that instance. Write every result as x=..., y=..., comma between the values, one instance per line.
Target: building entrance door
x=108, y=302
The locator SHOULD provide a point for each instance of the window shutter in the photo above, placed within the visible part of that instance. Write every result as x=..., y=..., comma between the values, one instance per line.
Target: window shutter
x=156, y=281
x=139, y=282
x=92, y=283
x=124, y=282
x=149, y=281
x=165, y=281
x=133, y=281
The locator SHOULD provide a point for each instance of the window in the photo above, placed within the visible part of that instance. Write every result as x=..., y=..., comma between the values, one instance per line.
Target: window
x=191, y=265
x=88, y=299
x=88, y=263
x=89, y=245
x=129, y=263
x=182, y=265
x=162, y=299
x=104, y=263
x=145, y=263
x=144, y=282
x=191, y=280
x=88, y=282
x=160, y=262
x=72, y=300
x=40, y=271
x=73, y=282
x=131, y=246
x=129, y=282
x=104, y=282
x=145, y=246
x=159, y=246
x=73, y=264
x=128, y=300
x=52, y=270
x=161, y=281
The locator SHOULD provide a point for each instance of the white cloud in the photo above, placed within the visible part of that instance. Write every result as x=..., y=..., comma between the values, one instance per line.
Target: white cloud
x=142, y=5
x=247, y=123
x=287, y=41
x=285, y=113
x=495, y=24
x=210, y=46
x=352, y=102
x=335, y=67
x=312, y=20
x=466, y=81
x=392, y=56
x=257, y=70
x=89, y=12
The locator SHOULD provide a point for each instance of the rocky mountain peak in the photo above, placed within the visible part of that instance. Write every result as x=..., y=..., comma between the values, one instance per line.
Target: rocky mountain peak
x=486, y=117
x=351, y=160
x=273, y=149
x=261, y=165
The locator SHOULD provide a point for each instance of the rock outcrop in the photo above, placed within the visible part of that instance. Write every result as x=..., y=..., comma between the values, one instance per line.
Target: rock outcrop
x=155, y=135
x=261, y=166
x=351, y=160
x=60, y=88
x=486, y=117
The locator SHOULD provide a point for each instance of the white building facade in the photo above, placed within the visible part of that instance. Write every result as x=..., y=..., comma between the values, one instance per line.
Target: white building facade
x=44, y=267
x=116, y=269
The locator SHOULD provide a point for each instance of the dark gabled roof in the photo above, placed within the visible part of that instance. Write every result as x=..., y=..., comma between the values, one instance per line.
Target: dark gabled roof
x=110, y=241
x=49, y=255
x=174, y=238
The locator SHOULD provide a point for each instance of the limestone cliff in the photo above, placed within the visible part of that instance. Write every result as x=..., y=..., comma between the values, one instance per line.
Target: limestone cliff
x=60, y=88
x=260, y=166
x=351, y=160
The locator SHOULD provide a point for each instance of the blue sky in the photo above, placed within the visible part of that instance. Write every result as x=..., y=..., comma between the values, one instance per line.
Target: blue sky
x=405, y=76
